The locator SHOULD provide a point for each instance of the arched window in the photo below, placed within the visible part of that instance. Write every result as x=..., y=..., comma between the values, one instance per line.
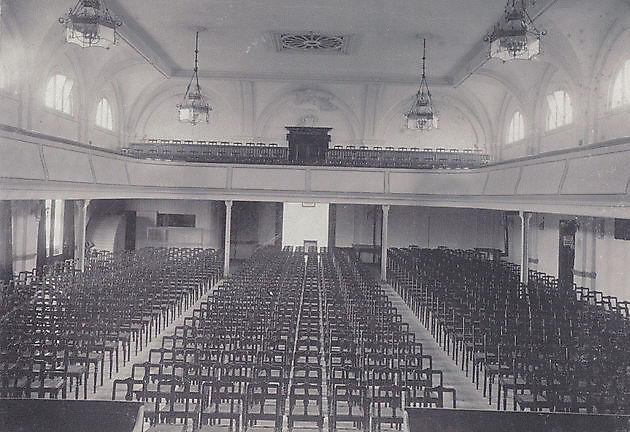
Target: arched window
x=59, y=94
x=516, y=128
x=104, y=115
x=620, y=95
x=559, y=109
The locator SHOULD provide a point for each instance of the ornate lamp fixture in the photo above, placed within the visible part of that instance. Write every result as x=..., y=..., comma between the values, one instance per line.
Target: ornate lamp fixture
x=194, y=107
x=515, y=37
x=90, y=24
x=422, y=115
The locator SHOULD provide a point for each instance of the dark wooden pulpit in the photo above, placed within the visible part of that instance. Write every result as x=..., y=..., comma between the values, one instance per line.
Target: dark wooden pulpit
x=308, y=145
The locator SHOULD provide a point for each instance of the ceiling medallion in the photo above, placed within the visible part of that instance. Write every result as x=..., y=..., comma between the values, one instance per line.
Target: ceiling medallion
x=311, y=42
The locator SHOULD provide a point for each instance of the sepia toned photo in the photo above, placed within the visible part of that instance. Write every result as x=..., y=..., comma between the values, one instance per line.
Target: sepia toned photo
x=314, y=216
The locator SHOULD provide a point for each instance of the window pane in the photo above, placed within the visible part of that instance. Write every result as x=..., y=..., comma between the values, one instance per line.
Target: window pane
x=59, y=83
x=99, y=113
x=104, y=114
x=621, y=88
x=58, y=229
x=516, y=129
x=48, y=205
x=568, y=110
x=50, y=93
x=67, y=97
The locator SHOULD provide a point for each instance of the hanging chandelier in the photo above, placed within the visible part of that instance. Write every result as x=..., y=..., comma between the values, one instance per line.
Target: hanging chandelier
x=422, y=115
x=90, y=24
x=194, y=107
x=515, y=37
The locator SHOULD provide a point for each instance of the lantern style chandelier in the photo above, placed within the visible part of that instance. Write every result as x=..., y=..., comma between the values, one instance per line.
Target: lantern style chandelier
x=515, y=37
x=194, y=107
x=422, y=114
x=90, y=24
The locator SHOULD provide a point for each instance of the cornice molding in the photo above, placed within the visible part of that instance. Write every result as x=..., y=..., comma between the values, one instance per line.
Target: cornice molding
x=443, y=81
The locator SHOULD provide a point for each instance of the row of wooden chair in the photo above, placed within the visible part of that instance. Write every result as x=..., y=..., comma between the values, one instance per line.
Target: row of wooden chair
x=549, y=346
x=70, y=322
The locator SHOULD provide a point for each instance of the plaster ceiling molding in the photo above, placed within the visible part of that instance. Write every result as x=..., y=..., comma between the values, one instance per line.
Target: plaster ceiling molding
x=320, y=99
x=311, y=42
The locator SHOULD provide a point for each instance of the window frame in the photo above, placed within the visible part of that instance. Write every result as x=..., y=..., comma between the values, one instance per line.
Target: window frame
x=109, y=116
x=566, y=98
x=623, y=71
x=510, y=129
x=58, y=101
x=54, y=223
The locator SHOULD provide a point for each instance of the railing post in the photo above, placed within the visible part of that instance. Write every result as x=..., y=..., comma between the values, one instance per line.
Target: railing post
x=80, y=231
x=384, y=241
x=228, y=230
x=524, y=246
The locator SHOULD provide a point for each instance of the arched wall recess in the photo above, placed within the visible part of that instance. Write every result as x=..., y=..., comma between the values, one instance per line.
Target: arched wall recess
x=158, y=116
x=310, y=106
x=459, y=126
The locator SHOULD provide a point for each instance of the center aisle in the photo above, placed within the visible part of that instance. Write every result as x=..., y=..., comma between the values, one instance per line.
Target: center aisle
x=294, y=341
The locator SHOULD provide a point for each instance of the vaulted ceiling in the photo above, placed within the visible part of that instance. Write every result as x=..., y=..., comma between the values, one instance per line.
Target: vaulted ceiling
x=384, y=43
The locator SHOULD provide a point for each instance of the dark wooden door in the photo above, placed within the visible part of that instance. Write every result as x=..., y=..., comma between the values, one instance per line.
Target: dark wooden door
x=566, y=252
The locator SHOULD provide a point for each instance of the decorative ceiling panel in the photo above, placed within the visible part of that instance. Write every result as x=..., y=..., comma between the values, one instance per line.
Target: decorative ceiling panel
x=311, y=42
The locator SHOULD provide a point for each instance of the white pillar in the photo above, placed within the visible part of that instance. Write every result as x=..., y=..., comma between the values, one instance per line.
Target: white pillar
x=228, y=229
x=80, y=227
x=384, y=242
x=524, y=253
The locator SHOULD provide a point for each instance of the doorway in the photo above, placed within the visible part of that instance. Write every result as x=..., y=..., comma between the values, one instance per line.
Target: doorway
x=566, y=252
x=308, y=244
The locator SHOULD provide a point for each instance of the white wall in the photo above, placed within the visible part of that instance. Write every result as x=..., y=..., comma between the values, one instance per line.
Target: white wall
x=422, y=226
x=25, y=217
x=205, y=218
x=301, y=223
x=597, y=252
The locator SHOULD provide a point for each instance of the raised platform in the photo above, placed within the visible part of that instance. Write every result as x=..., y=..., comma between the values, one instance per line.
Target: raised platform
x=56, y=415
x=449, y=420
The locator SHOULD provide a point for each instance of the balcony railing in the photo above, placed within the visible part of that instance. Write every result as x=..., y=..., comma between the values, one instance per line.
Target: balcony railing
x=272, y=154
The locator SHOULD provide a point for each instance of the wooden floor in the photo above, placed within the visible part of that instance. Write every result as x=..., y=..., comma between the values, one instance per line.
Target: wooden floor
x=468, y=397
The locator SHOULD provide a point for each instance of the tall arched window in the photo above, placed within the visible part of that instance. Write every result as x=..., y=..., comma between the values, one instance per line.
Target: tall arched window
x=59, y=93
x=559, y=109
x=104, y=115
x=620, y=95
x=516, y=128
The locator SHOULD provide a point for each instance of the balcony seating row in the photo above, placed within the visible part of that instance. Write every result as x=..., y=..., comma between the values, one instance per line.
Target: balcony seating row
x=260, y=153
